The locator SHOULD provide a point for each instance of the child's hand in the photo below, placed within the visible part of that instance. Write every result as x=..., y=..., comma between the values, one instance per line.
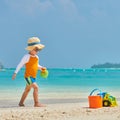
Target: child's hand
x=43, y=69
x=44, y=72
x=14, y=76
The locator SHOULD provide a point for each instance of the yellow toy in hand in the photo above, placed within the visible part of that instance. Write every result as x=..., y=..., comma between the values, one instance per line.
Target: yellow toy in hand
x=44, y=73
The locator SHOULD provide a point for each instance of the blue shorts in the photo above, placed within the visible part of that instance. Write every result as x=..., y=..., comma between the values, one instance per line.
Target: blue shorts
x=30, y=80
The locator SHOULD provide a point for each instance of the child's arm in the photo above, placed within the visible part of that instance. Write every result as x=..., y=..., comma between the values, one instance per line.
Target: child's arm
x=23, y=61
x=41, y=68
x=14, y=76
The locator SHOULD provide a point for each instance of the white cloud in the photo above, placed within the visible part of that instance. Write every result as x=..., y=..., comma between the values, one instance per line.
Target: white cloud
x=67, y=8
x=29, y=6
x=70, y=10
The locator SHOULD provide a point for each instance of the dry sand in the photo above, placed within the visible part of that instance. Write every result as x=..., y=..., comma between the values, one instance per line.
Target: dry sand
x=60, y=111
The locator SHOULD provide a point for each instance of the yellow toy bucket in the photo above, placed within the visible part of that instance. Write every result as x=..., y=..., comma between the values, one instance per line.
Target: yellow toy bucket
x=95, y=101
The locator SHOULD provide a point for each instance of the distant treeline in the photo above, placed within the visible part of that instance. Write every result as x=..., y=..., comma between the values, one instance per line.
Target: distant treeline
x=1, y=66
x=106, y=65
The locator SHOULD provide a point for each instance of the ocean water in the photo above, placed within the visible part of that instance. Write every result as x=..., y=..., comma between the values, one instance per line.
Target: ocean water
x=67, y=83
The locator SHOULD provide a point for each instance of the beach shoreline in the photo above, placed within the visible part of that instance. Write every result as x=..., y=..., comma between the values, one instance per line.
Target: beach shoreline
x=65, y=93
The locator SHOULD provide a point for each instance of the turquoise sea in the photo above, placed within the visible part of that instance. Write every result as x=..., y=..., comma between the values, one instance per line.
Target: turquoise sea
x=62, y=83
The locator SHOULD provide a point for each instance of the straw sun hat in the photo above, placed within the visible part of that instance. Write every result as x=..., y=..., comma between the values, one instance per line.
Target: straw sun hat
x=34, y=42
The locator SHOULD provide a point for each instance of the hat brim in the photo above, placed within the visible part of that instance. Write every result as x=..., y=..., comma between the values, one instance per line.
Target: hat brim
x=39, y=46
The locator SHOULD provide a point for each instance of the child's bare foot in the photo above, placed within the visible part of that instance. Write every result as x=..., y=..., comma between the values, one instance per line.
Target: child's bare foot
x=39, y=105
x=21, y=105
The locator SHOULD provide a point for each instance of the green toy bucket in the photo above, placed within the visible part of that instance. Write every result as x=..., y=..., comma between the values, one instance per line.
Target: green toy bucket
x=44, y=74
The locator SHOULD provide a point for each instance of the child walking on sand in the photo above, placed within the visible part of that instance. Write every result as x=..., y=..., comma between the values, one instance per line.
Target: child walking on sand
x=31, y=62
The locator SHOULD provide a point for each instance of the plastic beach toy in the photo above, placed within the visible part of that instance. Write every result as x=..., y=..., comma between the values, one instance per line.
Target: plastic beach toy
x=44, y=73
x=95, y=101
x=102, y=99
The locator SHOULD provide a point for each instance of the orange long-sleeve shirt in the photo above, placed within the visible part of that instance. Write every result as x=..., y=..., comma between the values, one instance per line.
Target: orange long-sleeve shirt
x=31, y=65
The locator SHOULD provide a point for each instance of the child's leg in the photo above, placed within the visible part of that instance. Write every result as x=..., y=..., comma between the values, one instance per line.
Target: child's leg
x=24, y=95
x=35, y=95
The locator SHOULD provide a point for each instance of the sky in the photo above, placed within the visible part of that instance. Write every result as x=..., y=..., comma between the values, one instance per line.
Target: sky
x=76, y=33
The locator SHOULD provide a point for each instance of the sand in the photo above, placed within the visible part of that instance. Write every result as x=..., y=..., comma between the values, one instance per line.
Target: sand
x=60, y=110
